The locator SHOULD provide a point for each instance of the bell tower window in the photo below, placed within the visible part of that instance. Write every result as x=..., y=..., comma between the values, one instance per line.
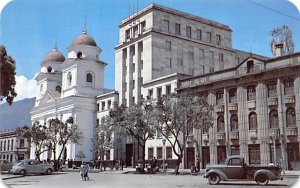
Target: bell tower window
x=69, y=79
x=79, y=55
x=89, y=78
x=58, y=89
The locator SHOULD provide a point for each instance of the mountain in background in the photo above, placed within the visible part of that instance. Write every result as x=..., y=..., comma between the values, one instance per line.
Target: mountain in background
x=16, y=115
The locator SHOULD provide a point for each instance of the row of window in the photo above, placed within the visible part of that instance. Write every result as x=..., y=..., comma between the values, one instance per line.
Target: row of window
x=159, y=153
x=89, y=78
x=200, y=35
x=103, y=105
x=159, y=92
x=136, y=30
x=273, y=120
x=251, y=91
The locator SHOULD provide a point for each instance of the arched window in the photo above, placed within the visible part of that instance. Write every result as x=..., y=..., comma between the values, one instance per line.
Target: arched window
x=220, y=124
x=273, y=119
x=232, y=95
x=79, y=54
x=89, y=78
x=252, y=121
x=58, y=89
x=234, y=122
x=69, y=79
x=251, y=92
x=290, y=117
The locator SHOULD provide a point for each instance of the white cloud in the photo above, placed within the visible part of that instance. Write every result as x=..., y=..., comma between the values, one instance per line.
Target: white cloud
x=296, y=3
x=25, y=88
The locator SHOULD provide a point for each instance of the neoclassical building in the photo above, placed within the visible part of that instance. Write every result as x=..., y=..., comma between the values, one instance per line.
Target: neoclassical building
x=67, y=87
x=256, y=107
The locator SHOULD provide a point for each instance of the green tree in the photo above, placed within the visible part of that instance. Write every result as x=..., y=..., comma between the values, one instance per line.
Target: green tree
x=138, y=121
x=178, y=116
x=7, y=76
x=102, y=140
x=38, y=135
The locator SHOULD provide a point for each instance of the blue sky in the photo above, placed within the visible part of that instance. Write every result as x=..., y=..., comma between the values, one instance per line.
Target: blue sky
x=30, y=28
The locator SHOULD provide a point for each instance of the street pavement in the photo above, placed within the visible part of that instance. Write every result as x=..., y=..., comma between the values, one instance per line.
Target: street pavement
x=127, y=178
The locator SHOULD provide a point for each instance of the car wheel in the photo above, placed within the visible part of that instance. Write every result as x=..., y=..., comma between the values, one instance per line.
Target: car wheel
x=23, y=172
x=214, y=179
x=262, y=180
x=49, y=171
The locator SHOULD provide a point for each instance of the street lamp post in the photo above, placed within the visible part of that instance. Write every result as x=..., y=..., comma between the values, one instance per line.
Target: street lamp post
x=273, y=134
x=164, y=148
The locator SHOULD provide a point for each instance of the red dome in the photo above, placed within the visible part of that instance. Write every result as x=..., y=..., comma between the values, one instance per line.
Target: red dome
x=84, y=39
x=54, y=55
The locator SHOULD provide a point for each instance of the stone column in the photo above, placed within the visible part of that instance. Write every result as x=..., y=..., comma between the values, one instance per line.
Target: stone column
x=213, y=131
x=227, y=123
x=297, y=105
x=282, y=122
x=263, y=123
x=243, y=122
x=129, y=76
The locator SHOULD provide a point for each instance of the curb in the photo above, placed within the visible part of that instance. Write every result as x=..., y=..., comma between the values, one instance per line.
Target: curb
x=12, y=177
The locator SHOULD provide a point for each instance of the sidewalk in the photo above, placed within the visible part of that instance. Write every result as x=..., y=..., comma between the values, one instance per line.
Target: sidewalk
x=5, y=175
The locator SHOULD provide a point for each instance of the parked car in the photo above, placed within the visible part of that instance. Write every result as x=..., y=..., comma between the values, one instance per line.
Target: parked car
x=235, y=168
x=32, y=166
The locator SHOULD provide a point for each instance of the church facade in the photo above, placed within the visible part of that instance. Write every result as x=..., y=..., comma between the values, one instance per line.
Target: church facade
x=67, y=87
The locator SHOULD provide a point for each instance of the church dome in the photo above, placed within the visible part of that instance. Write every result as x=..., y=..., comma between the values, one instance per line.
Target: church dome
x=84, y=39
x=54, y=55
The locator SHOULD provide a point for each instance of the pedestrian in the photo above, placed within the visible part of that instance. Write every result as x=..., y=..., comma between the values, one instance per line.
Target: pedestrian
x=153, y=165
x=82, y=171
x=86, y=169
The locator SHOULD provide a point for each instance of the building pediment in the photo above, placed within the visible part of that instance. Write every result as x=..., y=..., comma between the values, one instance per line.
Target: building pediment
x=49, y=97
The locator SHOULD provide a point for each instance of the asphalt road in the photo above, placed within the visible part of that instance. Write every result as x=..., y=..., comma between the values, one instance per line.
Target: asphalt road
x=101, y=180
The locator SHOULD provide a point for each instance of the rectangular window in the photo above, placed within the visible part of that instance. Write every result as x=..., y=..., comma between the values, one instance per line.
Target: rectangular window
x=188, y=32
x=191, y=55
x=98, y=108
x=250, y=66
x=201, y=69
x=8, y=145
x=168, y=45
x=133, y=84
x=127, y=35
x=168, y=90
x=177, y=28
x=143, y=25
x=109, y=104
x=103, y=106
x=199, y=34
x=159, y=152
x=142, y=64
x=169, y=152
x=159, y=92
x=218, y=39
x=125, y=86
x=1, y=146
x=132, y=100
x=208, y=37
x=211, y=58
x=133, y=67
x=201, y=53
x=179, y=62
x=166, y=25
x=150, y=93
x=168, y=63
x=272, y=89
x=97, y=122
x=254, y=154
x=150, y=153
x=22, y=143
x=221, y=57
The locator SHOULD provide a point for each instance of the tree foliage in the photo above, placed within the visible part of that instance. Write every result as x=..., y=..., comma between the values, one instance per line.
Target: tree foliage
x=49, y=137
x=282, y=35
x=178, y=116
x=7, y=76
x=138, y=121
x=102, y=140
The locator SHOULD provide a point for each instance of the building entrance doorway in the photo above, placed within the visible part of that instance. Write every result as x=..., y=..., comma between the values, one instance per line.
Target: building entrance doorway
x=205, y=156
x=129, y=154
x=293, y=156
x=190, y=152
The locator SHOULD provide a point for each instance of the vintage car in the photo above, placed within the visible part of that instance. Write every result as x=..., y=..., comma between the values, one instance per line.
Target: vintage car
x=235, y=168
x=31, y=167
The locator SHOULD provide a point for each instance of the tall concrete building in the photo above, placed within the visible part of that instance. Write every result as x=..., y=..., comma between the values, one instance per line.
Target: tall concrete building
x=157, y=47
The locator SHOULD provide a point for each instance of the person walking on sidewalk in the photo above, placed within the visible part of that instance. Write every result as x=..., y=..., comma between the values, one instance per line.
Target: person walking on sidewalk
x=82, y=171
x=86, y=169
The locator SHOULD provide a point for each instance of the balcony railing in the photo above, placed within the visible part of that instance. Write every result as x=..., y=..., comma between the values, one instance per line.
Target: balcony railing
x=219, y=108
x=272, y=93
x=251, y=96
x=251, y=104
x=234, y=135
x=289, y=91
x=233, y=99
x=291, y=131
x=221, y=135
x=220, y=101
x=272, y=101
x=232, y=107
x=289, y=99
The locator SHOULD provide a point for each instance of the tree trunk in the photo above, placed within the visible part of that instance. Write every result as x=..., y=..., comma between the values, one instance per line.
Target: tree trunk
x=143, y=157
x=179, y=160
